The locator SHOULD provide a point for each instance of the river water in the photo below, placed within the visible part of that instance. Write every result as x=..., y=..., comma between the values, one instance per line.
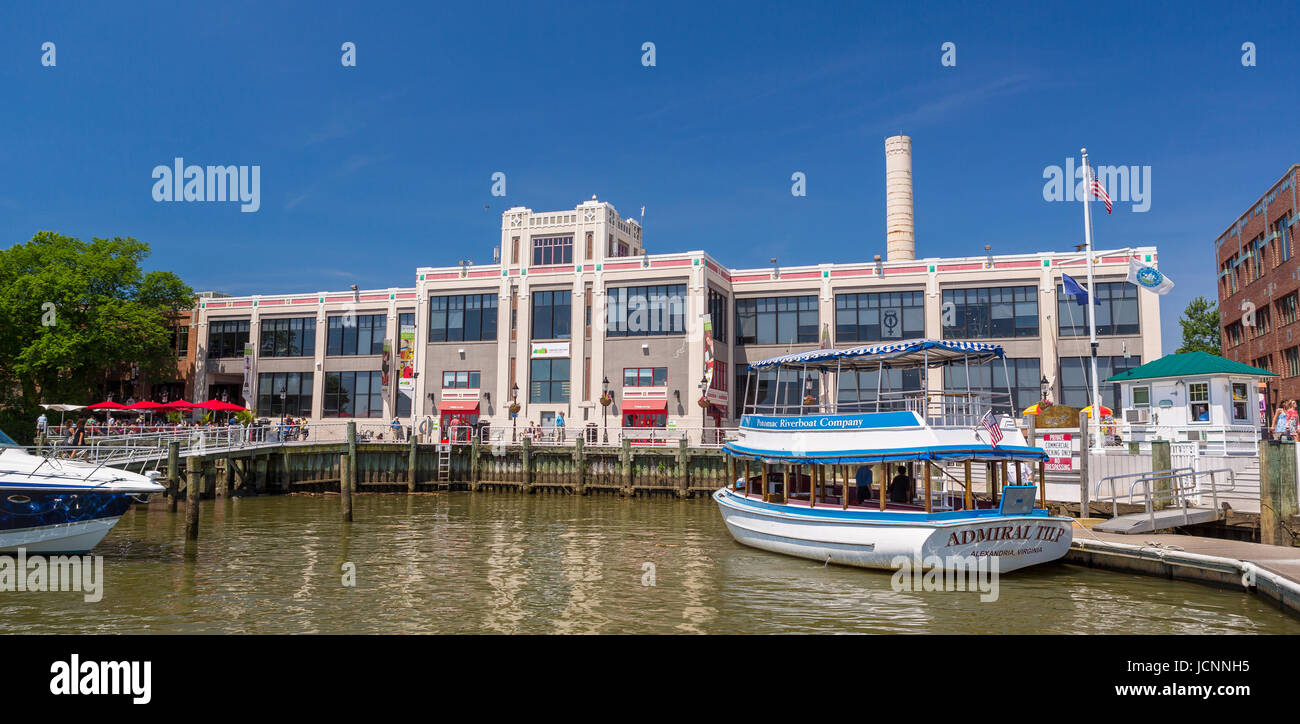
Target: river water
x=508, y=563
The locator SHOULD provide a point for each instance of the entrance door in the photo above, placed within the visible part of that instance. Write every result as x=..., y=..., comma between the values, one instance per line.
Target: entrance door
x=463, y=421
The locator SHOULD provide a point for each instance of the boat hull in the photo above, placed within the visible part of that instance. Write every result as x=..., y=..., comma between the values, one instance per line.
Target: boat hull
x=867, y=539
x=78, y=537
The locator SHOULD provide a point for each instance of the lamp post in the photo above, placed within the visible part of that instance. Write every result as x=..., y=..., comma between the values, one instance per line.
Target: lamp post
x=604, y=410
x=514, y=416
x=1042, y=388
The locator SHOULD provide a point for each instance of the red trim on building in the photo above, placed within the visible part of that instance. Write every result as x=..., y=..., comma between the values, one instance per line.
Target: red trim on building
x=458, y=406
x=645, y=405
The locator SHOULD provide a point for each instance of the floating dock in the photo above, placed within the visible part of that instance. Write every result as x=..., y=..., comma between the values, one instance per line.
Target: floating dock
x=1270, y=571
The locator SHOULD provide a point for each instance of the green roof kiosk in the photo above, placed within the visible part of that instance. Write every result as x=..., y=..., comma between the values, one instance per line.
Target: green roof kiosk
x=1194, y=397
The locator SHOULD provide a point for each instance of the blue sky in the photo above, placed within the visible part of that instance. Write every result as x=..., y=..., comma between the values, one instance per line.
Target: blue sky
x=368, y=172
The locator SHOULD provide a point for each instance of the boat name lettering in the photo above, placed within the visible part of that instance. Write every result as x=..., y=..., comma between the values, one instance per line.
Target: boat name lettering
x=1026, y=531
x=814, y=423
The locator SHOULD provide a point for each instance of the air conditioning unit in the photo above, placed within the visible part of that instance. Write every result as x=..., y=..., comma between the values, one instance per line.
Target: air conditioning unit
x=1139, y=415
x=1195, y=435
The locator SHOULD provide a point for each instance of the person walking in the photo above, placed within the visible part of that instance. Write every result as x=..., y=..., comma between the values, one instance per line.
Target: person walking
x=559, y=426
x=1281, y=429
x=1291, y=419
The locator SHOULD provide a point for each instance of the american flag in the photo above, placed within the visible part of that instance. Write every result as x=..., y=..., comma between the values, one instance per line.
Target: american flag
x=988, y=423
x=1099, y=192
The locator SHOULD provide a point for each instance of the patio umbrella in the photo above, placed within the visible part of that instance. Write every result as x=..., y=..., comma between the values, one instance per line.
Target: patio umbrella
x=143, y=405
x=218, y=406
x=1031, y=410
x=1105, y=411
x=106, y=405
x=176, y=405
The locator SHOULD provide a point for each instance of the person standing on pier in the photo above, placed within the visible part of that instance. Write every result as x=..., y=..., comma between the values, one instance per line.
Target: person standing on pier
x=397, y=429
x=559, y=426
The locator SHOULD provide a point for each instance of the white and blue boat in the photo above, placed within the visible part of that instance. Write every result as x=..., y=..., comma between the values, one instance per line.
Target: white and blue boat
x=58, y=505
x=818, y=423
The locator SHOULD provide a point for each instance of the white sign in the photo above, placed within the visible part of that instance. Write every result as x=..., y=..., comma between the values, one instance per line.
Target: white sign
x=547, y=350
x=1060, y=451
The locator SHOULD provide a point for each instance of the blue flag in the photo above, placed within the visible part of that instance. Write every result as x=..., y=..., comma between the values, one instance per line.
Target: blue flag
x=1073, y=289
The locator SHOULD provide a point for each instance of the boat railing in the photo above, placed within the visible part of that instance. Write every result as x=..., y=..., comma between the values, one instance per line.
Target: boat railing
x=937, y=409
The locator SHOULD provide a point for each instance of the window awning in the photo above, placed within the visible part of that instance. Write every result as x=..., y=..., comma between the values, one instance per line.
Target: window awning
x=458, y=406
x=645, y=405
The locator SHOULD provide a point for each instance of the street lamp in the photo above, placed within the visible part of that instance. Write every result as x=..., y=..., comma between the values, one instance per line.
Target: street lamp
x=514, y=416
x=1042, y=388
x=604, y=409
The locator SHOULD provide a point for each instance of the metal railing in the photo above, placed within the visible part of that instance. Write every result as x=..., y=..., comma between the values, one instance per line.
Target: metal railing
x=1213, y=440
x=1184, y=484
x=938, y=409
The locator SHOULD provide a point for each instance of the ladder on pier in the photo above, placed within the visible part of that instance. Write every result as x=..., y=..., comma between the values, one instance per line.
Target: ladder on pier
x=444, y=462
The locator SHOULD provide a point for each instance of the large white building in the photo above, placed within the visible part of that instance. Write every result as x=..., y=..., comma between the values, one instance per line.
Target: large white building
x=575, y=307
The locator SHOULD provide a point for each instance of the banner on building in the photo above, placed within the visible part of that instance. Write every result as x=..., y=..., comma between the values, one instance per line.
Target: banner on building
x=247, y=391
x=386, y=369
x=406, y=360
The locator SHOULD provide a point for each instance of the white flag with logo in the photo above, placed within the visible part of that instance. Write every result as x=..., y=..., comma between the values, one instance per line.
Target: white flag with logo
x=1148, y=277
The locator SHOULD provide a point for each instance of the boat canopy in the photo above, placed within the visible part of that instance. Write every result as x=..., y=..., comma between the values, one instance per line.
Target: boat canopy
x=894, y=355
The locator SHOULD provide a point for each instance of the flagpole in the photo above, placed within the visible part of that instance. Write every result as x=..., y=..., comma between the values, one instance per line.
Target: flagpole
x=1094, y=420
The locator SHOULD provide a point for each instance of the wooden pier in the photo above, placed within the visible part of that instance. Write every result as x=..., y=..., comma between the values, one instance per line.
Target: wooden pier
x=396, y=467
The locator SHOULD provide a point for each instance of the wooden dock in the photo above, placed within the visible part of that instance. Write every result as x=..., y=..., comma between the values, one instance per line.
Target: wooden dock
x=1267, y=570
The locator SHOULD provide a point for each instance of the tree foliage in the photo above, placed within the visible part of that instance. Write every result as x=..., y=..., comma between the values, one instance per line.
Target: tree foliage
x=1200, y=323
x=76, y=314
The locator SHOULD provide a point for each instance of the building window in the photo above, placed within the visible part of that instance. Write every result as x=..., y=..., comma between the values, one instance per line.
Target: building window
x=1141, y=396
x=463, y=318
x=1263, y=322
x=1264, y=363
x=789, y=393
x=645, y=311
x=776, y=320
x=356, y=335
x=294, y=337
x=460, y=380
x=1232, y=333
x=1286, y=310
x=858, y=388
x=552, y=250
x=1282, y=229
x=645, y=376
x=552, y=315
x=1116, y=311
x=227, y=338
x=994, y=312
x=1198, y=398
x=589, y=247
x=718, y=314
x=1240, y=411
x=181, y=339
x=353, y=394
x=514, y=250
x=284, y=393
x=1292, y=358
x=645, y=419
x=1075, y=371
x=548, y=380
x=880, y=316
x=992, y=377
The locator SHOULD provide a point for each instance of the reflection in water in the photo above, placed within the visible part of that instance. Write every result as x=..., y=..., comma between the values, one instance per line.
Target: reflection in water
x=506, y=563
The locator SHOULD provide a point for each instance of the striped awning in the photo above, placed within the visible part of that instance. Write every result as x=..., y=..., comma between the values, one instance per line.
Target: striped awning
x=908, y=353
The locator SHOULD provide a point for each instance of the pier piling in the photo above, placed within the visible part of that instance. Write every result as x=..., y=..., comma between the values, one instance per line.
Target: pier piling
x=1277, y=493
x=1085, y=505
x=193, y=474
x=345, y=487
x=173, y=473
x=412, y=459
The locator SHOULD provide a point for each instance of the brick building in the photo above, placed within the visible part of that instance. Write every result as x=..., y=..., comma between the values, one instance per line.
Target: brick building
x=1259, y=285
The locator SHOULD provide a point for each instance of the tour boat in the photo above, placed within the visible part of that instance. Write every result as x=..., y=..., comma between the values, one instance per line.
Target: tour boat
x=812, y=420
x=57, y=505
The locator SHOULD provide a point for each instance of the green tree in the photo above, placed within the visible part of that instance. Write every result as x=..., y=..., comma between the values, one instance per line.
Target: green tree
x=1200, y=323
x=77, y=314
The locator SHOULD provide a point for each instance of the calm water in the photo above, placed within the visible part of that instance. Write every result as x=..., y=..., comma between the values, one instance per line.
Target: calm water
x=508, y=563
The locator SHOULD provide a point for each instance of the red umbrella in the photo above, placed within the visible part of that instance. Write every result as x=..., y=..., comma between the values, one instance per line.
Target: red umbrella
x=177, y=405
x=143, y=405
x=106, y=405
x=218, y=406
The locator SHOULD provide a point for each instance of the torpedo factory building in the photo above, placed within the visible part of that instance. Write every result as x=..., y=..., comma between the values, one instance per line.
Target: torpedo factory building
x=576, y=310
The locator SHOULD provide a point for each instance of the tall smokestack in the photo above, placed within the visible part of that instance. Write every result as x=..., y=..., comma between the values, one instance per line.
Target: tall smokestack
x=900, y=228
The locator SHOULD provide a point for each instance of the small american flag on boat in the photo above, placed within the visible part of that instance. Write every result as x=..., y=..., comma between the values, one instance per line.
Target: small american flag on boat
x=988, y=423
